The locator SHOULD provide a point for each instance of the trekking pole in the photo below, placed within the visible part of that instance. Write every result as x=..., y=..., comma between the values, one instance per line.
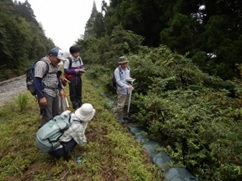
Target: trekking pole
x=65, y=97
x=66, y=80
x=129, y=102
x=67, y=103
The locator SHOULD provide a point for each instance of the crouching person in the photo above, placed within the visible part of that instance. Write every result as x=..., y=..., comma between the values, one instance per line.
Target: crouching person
x=74, y=133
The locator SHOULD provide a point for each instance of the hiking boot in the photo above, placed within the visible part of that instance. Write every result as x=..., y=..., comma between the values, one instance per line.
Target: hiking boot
x=128, y=119
x=120, y=116
x=125, y=121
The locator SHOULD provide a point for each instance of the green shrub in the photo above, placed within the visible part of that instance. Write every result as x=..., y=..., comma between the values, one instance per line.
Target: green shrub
x=195, y=116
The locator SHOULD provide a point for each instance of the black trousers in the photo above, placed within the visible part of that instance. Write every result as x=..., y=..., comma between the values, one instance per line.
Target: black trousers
x=75, y=87
x=63, y=152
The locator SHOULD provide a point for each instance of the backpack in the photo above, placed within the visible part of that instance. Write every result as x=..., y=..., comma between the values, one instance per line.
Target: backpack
x=114, y=83
x=30, y=77
x=47, y=137
x=69, y=76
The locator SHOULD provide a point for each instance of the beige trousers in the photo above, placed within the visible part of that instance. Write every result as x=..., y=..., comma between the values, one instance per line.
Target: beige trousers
x=122, y=100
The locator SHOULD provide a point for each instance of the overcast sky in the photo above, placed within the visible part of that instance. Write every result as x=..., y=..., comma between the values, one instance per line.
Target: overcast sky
x=64, y=21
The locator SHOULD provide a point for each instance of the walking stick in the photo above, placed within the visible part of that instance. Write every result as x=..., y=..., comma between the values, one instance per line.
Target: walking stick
x=67, y=103
x=65, y=97
x=129, y=102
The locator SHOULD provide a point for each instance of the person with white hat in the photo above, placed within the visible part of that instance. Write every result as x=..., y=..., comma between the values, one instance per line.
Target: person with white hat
x=75, y=134
x=48, y=85
x=124, y=87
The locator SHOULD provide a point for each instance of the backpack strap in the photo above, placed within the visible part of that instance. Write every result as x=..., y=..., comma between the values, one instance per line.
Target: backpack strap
x=47, y=71
x=120, y=72
x=70, y=61
x=77, y=120
x=62, y=131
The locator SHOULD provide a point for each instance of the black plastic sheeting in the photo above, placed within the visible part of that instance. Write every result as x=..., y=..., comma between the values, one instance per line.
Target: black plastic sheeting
x=160, y=158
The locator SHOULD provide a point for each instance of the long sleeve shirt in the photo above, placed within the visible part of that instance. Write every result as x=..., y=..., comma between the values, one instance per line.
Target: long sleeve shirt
x=75, y=64
x=76, y=131
x=122, y=75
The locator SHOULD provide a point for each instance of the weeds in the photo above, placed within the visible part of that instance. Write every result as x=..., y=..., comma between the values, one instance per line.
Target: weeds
x=22, y=101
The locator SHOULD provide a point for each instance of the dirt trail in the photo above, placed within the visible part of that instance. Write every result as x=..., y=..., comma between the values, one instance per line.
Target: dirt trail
x=10, y=88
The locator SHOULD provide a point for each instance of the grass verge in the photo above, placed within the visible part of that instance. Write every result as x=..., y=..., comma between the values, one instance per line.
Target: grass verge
x=111, y=153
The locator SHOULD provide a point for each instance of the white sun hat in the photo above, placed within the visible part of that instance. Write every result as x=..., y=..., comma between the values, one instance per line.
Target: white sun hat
x=85, y=113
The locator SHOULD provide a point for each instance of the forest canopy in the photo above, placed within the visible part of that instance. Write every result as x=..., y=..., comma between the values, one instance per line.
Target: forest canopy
x=208, y=32
x=22, y=39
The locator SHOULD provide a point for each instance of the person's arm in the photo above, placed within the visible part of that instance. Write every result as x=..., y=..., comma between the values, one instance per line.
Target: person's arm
x=40, y=94
x=70, y=71
x=38, y=87
x=41, y=70
x=129, y=80
x=78, y=133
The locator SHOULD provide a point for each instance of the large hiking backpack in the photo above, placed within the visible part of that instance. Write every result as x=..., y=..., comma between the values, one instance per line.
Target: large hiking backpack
x=30, y=77
x=47, y=137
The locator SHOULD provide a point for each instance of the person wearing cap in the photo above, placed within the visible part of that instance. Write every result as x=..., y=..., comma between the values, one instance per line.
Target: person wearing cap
x=73, y=69
x=48, y=85
x=75, y=134
x=124, y=87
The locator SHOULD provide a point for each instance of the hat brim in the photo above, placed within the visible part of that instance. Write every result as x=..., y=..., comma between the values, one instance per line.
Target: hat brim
x=61, y=58
x=85, y=118
x=123, y=62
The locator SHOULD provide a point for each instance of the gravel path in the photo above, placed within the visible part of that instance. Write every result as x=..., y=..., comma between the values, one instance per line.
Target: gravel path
x=10, y=88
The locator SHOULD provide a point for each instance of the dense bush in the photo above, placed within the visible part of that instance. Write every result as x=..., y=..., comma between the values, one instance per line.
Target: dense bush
x=189, y=112
x=195, y=116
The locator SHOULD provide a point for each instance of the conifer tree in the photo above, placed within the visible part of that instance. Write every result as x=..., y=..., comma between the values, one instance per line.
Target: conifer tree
x=94, y=26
